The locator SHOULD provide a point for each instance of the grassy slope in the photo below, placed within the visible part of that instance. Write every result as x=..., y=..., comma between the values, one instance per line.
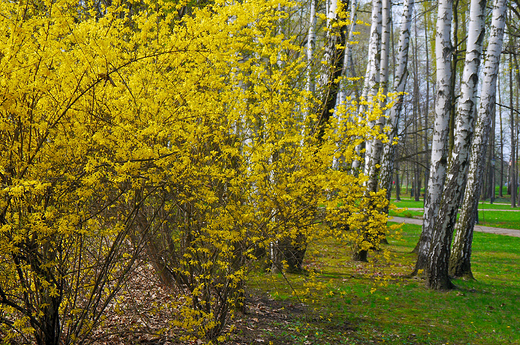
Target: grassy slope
x=346, y=309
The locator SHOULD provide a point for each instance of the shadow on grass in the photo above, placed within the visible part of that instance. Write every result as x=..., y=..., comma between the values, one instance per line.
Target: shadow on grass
x=353, y=303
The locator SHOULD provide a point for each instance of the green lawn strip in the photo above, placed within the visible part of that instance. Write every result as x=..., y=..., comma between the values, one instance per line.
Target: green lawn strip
x=405, y=213
x=496, y=206
x=410, y=203
x=345, y=308
x=496, y=219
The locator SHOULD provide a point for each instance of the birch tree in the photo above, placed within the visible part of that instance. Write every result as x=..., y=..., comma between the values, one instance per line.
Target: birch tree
x=437, y=273
x=372, y=75
x=311, y=45
x=370, y=89
x=375, y=146
x=461, y=251
x=400, y=78
x=443, y=52
x=371, y=82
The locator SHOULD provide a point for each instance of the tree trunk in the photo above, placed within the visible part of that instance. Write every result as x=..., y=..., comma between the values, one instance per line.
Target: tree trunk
x=373, y=159
x=443, y=49
x=426, y=115
x=417, y=178
x=492, y=193
x=311, y=44
x=416, y=118
x=460, y=259
x=397, y=183
x=332, y=69
x=372, y=84
x=401, y=75
x=517, y=130
x=512, y=166
x=438, y=258
x=370, y=88
x=501, y=187
x=347, y=59
x=287, y=254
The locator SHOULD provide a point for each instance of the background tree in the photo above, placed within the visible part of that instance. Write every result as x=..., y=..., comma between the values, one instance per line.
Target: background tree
x=389, y=155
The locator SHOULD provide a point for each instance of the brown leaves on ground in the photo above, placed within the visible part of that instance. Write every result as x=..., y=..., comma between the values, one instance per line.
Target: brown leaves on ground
x=144, y=310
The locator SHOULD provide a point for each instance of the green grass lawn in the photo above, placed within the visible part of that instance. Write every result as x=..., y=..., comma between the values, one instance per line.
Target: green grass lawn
x=497, y=219
x=376, y=302
x=410, y=203
x=406, y=213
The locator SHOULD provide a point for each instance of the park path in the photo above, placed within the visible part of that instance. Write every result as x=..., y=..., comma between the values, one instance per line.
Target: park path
x=479, y=228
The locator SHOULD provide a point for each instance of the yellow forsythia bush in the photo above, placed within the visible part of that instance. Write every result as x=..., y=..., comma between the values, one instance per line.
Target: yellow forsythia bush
x=134, y=129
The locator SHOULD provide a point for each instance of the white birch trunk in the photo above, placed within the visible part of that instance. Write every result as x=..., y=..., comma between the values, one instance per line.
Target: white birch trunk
x=401, y=75
x=443, y=51
x=438, y=258
x=372, y=76
x=460, y=262
x=373, y=161
x=386, y=28
x=370, y=89
x=311, y=44
x=371, y=82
